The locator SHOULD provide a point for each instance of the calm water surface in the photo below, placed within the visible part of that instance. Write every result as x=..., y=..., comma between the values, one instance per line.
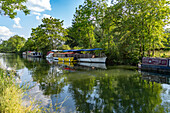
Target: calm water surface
x=89, y=87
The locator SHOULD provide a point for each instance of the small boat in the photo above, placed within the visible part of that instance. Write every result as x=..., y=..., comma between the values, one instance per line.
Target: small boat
x=34, y=54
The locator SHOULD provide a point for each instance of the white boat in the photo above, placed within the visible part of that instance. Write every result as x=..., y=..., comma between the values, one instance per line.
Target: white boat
x=24, y=53
x=97, y=59
x=53, y=54
x=50, y=55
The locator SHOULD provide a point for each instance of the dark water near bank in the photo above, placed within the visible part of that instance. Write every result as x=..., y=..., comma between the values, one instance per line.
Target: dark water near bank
x=90, y=87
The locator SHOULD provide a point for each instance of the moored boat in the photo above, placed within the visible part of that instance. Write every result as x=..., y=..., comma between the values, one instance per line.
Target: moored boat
x=77, y=55
x=55, y=52
x=34, y=54
x=156, y=64
x=50, y=54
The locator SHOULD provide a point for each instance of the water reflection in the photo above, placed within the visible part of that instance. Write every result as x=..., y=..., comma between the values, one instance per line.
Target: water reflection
x=93, y=88
x=156, y=77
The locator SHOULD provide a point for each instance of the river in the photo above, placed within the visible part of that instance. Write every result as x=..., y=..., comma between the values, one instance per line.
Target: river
x=85, y=87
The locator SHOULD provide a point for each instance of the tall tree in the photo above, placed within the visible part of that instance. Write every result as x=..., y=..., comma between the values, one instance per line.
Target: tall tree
x=49, y=35
x=86, y=18
x=141, y=25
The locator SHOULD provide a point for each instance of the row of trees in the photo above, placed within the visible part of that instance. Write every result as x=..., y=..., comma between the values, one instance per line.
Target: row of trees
x=13, y=44
x=126, y=30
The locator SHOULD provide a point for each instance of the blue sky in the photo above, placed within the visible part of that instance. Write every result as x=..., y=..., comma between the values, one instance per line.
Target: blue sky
x=21, y=25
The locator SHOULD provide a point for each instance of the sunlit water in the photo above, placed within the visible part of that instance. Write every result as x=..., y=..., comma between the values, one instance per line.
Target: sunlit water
x=89, y=87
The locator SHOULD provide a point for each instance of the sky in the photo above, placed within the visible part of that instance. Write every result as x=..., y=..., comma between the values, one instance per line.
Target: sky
x=21, y=25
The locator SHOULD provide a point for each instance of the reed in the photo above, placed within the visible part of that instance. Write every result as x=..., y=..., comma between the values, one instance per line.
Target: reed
x=11, y=95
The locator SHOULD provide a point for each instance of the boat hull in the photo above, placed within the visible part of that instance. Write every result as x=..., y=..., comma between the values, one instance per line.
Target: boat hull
x=99, y=60
x=55, y=58
x=37, y=56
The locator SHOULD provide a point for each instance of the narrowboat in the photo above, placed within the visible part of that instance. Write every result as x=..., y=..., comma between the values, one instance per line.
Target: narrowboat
x=34, y=54
x=156, y=64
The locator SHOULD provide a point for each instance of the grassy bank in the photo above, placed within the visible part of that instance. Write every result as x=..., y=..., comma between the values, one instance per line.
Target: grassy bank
x=11, y=95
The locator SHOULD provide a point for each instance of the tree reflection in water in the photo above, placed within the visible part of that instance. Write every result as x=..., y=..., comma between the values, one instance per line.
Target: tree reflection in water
x=112, y=90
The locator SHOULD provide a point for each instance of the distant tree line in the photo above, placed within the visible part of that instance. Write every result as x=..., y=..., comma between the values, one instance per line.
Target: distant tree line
x=13, y=44
x=127, y=30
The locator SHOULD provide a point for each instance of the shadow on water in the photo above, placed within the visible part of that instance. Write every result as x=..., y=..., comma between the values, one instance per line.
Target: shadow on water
x=97, y=88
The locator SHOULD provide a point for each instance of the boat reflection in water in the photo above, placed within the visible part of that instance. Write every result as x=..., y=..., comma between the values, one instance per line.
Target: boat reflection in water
x=93, y=65
x=34, y=59
x=156, y=77
x=78, y=65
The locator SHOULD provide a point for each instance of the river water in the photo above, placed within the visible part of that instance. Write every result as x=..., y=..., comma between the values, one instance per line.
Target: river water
x=86, y=87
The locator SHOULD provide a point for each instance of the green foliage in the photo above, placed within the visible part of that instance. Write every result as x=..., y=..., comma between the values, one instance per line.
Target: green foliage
x=86, y=19
x=9, y=7
x=14, y=44
x=29, y=45
x=167, y=36
x=64, y=47
x=127, y=30
x=11, y=96
x=49, y=35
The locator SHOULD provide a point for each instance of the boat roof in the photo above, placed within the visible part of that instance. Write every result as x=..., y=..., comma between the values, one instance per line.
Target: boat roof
x=56, y=50
x=82, y=50
x=67, y=53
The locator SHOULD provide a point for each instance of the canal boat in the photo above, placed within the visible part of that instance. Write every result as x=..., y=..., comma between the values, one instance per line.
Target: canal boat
x=156, y=64
x=88, y=57
x=34, y=54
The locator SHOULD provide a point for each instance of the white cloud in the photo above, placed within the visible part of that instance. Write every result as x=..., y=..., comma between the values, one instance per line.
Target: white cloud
x=5, y=33
x=38, y=17
x=17, y=24
x=43, y=16
x=38, y=5
x=35, y=13
x=46, y=16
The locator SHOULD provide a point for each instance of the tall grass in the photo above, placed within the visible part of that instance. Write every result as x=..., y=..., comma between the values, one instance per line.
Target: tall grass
x=11, y=95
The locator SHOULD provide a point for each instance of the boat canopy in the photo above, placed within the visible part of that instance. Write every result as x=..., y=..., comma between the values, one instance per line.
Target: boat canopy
x=67, y=53
x=56, y=50
x=82, y=50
